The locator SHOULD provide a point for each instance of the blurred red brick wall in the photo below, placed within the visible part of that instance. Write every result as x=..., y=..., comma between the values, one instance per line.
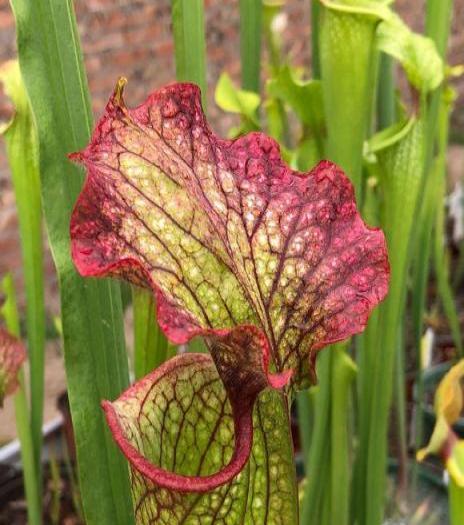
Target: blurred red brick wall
x=133, y=38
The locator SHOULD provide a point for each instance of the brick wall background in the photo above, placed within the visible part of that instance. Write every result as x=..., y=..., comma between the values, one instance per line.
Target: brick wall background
x=133, y=38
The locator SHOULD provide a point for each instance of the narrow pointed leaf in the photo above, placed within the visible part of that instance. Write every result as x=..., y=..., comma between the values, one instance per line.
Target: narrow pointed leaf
x=400, y=161
x=51, y=65
x=22, y=152
x=250, y=43
x=32, y=490
x=188, y=26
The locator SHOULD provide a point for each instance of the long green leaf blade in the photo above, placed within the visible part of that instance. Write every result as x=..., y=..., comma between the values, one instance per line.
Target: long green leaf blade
x=345, y=51
x=315, y=27
x=188, y=21
x=440, y=252
x=190, y=48
x=456, y=492
x=250, y=43
x=438, y=14
x=402, y=179
x=347, y=71
x=151, y=347
x=385, y=93
x=95, y=359
x=328, y=462
x=21, y=145
x=9, y=311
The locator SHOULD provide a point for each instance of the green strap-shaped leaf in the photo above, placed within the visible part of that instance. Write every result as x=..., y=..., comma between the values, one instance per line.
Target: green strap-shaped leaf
x=456, y=487
x=188, y=25
x=399, y=151
x=347, y=50
x=22, y=151
x=95, y=358
x=151, y=347
x=250, y=43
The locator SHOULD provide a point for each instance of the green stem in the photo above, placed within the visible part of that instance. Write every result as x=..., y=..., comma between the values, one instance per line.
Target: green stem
x=30, y=475
x=385, y=93
x=318, y=473
x=366, y=347
x=421, y=271
x=437, y=27
x=328, y=462
x=250, y=43
x=22, y=154
x=305, y=424
x=456, y=492
x=274, y=48
x=315, y=25
x=343, y=374
x=150, y=344
x=188, y=23
x=31, y=241
x=400, y=415
x=347, y=56
x=438, y=22
x=438, y=14
x=440, y=254
x=402, y=171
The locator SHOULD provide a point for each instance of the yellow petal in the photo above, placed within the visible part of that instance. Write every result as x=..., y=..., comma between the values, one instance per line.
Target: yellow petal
x=455, y=464
x=437, y=441
x=449, y=399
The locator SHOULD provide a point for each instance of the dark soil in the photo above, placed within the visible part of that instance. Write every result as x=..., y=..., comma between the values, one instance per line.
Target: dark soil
x=59, y=506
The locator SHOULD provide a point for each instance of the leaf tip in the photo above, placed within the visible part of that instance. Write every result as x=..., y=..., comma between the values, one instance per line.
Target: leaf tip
x=119, y=91
x=421, y=454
